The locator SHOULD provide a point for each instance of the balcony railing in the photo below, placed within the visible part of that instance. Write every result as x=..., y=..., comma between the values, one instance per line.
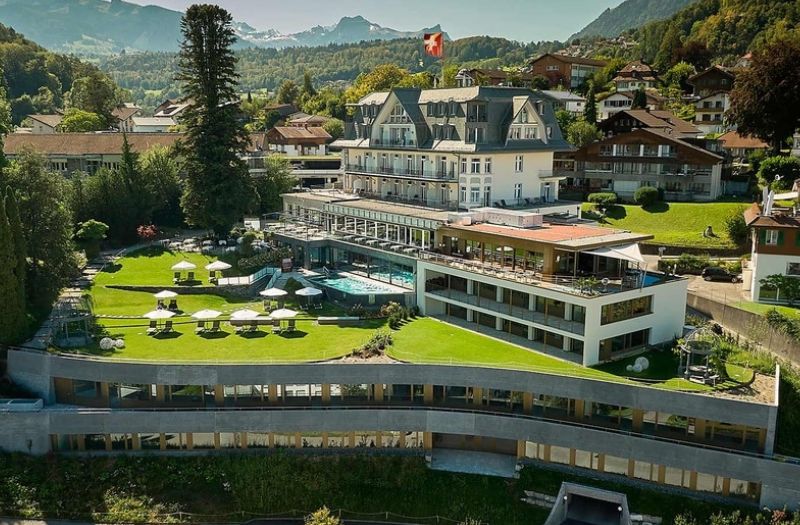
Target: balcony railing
x=415, y=200
x=401, y=172
x=590, y=286
x=394, y=143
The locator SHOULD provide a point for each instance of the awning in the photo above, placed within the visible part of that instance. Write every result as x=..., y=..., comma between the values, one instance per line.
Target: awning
x=624, y=252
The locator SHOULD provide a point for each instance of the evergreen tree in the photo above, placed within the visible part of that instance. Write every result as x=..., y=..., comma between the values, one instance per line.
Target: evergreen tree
x=5, y=117
x=590, y=110
x=308, y=86
x=670, y=46
x=639, y=99
x=218, y=186
x=12, y=310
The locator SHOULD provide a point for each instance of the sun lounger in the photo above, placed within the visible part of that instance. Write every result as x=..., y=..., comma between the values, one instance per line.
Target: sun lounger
x=215, y=326
x=152, y=328
x=167, y=327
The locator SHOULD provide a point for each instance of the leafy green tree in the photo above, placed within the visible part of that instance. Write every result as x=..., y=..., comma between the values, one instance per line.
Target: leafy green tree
x=590, y=109
x=328, y=102
x=381, y=78
x=449, y=75
x=678, y=75
x=670, y=46
x=334, y=127
x=736, y=227
x=76, y=120
x=276, y=180
x=218, y=186
x=288, y=93
x=321, y=516
x=160, y=167
x=308, y=90
x=96, y=93
x=13, y=322
x=581, y=133
x=565, y=119
x=540, y=82
x=44, y=210
x=90, y=234
x=758, y=106
x=17, y=234
x=779, y=172
x=639, y=99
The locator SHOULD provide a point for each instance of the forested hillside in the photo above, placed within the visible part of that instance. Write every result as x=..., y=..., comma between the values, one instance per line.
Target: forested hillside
x=36, y=80
x=150, y=75
x=630, y=14
x=718, y=31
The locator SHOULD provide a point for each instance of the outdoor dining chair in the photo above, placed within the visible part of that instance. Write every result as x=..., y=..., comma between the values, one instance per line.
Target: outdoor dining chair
x=152, y=328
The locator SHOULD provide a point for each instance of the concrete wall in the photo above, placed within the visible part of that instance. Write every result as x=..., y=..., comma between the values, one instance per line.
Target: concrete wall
x=778, y=478
x=749, y=325
x=25, y=365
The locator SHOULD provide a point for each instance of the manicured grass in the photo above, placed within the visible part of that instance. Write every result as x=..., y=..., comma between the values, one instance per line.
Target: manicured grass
x=675, y=223
x=152, y=267
x=762, y=309
x=426, y=340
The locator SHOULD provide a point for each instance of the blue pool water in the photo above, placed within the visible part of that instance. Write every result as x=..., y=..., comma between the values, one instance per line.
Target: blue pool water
x=355, y=286
x=398, y=277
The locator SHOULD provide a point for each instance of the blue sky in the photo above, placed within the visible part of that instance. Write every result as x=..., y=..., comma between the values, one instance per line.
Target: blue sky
x=523, y=20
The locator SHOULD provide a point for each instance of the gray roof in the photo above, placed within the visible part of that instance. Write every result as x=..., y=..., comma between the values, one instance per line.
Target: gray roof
x=563, y=96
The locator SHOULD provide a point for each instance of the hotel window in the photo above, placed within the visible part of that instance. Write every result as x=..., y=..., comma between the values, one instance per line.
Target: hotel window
x=793, y=269
x=518, y=164
x=518, y=190
x=463, y=193
x=463, y=165
x=476, y=135
x=474, y=194
x=612, y=313
x=549, y=132
x=431, y=109
x=531, y=133
x=516, y=133
x=487, y=199
x=476, y=166
x=552, y=68
x=442, y=165
x=487, y=166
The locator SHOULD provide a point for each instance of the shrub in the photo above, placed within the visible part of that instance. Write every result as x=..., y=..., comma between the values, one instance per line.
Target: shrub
x=357, y=310
x=646, y=196
x=247, y=243
x=602, y=200
x=377, y=345
x=686, y=263
x=391, y=308
x=736, y=227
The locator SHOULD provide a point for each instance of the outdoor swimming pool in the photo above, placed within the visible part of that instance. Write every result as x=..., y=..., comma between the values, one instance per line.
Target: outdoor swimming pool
x=356, y=285
x=402, y=278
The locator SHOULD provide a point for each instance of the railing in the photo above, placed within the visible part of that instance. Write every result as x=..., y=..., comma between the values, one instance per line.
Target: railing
x=246, y=280
x=414, y=201
x=401, y=172
x=394, y=143
x=581, y=286
x=442, y=408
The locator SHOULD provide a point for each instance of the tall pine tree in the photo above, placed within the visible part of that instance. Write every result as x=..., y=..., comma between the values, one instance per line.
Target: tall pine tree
x=12, y=305
x=639, y=99
x=219, y=189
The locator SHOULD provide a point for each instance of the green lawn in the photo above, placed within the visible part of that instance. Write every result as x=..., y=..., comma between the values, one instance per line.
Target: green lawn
x=152, y=267
x=675, y=223
x=762, y=309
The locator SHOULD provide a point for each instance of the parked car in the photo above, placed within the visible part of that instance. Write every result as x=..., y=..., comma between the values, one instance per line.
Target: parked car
x=720, y=274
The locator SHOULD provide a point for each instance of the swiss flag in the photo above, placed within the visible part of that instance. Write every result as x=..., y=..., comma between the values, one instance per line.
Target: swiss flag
x=434, y=44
